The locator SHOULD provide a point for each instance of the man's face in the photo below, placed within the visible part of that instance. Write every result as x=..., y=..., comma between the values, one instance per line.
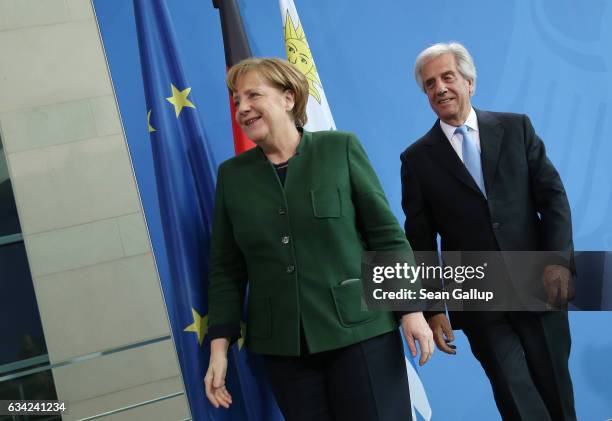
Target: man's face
x=448, y=91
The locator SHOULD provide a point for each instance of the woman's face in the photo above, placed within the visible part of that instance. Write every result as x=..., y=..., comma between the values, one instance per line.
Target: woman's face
x=261, y=109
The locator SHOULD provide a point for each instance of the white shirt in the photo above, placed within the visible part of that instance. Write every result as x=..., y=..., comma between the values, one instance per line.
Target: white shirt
x=455, y=139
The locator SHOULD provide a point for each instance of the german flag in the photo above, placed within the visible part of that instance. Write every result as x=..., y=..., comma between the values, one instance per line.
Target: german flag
x=236, y=46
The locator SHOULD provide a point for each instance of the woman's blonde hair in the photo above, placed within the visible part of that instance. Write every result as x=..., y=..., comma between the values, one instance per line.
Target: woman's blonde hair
x=278, y=73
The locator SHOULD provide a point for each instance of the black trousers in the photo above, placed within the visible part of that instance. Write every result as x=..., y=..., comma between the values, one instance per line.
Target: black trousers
x=525, y=355
x=365, y=381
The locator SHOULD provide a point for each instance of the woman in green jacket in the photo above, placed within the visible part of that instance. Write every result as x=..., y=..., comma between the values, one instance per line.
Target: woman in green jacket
x=293, y=216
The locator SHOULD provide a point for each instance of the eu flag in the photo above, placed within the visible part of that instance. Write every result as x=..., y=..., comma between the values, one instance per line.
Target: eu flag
x=185, y=177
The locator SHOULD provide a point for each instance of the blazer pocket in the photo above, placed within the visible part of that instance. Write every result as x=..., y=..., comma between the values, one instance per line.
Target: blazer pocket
x=259, y=324
x=326, y=203
x=348, y=299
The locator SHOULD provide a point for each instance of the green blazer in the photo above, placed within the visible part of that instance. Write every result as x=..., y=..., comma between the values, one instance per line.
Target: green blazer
x=296, y=245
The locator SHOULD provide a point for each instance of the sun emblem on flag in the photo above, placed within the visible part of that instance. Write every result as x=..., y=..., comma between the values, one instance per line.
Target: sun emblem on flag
x=298, y=53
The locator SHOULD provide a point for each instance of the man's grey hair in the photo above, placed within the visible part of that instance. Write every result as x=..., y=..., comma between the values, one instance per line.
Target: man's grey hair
x=464, y=60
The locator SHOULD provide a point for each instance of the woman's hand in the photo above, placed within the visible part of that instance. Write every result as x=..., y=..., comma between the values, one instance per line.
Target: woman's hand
x=415, y=328
x=214, y=381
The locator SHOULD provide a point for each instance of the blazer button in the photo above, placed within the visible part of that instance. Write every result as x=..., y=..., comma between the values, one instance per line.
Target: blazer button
x=281, y=211
x=290, y=269
x=495, y=225
x=285, y=239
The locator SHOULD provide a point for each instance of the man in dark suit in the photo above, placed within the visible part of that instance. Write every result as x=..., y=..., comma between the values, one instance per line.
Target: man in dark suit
x=482, y=182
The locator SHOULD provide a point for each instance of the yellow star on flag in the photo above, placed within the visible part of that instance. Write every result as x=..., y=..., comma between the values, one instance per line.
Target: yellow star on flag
x=242, y=335
x=179, y=99
x=199, y=326
x=151, y=128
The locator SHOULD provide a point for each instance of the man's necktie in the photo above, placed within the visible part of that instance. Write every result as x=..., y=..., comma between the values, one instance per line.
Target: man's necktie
x=471, y=157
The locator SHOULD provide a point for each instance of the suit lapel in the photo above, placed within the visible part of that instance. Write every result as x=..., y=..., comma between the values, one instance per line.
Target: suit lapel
x=443, y=153
x=491, y=135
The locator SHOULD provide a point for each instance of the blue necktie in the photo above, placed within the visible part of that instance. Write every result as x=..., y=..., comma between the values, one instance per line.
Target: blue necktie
x=471, y=157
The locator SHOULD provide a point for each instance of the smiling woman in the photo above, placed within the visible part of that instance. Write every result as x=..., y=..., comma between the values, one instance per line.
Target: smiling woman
x=297, y=232
x=261, y=111
x=270, y=99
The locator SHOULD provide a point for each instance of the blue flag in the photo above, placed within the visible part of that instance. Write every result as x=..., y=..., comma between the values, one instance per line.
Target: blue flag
x=185, y=177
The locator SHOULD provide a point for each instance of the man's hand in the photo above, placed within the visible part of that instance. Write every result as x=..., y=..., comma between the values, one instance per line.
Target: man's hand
x=416, y=329
x=442, y=333
x=559, y=285
x=214, y=381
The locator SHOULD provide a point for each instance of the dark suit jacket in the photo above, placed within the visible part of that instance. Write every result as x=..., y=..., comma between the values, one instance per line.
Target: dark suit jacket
x=526, y=206
x=297, y=244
